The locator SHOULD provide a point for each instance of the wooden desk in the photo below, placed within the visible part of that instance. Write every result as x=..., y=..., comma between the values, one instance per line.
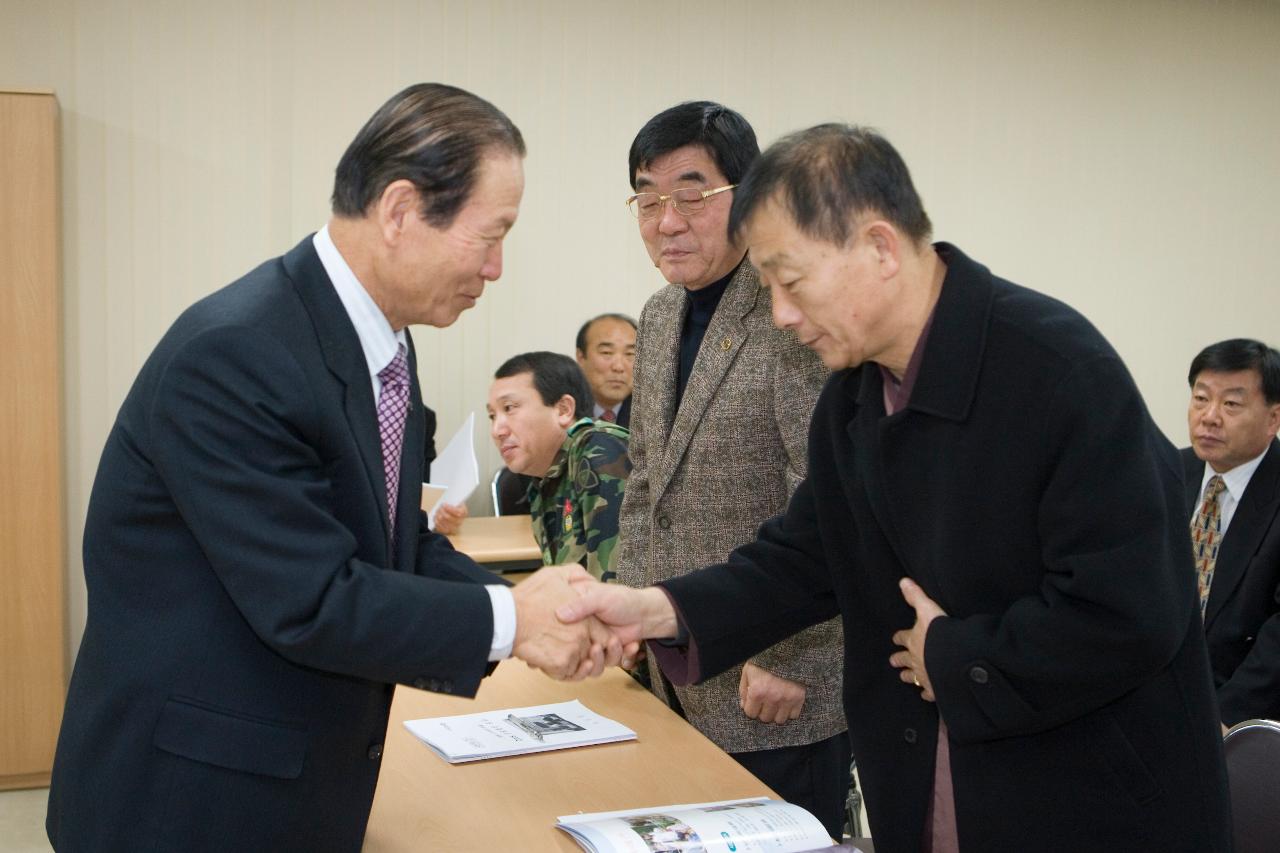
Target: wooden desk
x=501, y=539
x=424, y=803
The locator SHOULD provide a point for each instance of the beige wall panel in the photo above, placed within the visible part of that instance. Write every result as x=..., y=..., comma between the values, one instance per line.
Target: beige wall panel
x=1120, y=156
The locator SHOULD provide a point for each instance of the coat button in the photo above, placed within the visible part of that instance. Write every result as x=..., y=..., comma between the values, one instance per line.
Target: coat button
x=420, y=683
x=909, y=735
x=446, y=686
x=664, y=522
x=375, y=752
x=978, y=675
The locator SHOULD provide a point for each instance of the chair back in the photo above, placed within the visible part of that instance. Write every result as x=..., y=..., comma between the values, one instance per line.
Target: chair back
x=493, y=490
x=510, y=493
x=1252, y=750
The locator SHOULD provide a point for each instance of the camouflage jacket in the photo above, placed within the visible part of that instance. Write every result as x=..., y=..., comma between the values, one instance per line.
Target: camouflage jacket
x=575, y=506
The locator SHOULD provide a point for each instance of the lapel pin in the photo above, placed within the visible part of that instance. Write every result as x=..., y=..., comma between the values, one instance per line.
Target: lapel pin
x=725, y=344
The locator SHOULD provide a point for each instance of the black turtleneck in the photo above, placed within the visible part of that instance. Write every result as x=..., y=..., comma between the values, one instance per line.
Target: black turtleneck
x=702, y=305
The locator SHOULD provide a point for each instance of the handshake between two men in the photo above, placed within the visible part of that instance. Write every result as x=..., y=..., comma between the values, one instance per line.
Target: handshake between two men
x=571, y=626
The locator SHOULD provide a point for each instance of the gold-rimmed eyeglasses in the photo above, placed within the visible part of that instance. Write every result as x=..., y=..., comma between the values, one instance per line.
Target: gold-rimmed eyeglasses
x=687, y=201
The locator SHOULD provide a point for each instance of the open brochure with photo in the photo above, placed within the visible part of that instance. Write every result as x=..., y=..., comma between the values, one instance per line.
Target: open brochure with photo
x=743, y=826
x=516, y=731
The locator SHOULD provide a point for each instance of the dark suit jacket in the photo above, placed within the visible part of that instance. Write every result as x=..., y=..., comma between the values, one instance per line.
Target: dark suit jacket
x=624, y=413
x=1027, y=490
x=1242, y=618
x=248, y=615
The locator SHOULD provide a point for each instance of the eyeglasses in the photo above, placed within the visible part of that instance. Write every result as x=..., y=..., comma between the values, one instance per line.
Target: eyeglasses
x=687, y=201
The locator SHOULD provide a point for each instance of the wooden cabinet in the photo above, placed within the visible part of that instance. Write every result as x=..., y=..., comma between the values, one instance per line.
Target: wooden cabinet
x=32, y=520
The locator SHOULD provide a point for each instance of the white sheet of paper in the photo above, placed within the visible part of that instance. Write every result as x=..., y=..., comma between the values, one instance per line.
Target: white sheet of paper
x=456, y=470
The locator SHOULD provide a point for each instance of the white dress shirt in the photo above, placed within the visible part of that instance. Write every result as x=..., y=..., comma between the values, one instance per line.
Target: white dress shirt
x=1236, y=481
x=380, y=343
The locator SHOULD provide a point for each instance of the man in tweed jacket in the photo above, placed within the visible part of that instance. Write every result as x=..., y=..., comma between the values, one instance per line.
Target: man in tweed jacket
x=719, y=419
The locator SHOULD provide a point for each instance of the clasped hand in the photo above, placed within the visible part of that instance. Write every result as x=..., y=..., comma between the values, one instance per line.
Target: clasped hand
x=563, y=650
x=571, y=626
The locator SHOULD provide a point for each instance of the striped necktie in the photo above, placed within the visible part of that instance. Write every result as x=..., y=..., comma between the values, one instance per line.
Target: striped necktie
x=1206, y=536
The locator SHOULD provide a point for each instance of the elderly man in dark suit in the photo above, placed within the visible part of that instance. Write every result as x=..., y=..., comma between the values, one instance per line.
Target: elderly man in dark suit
x=996, y=517
x=1233, y=498
x=605, y=349
x=259, y=572
x=719, y=415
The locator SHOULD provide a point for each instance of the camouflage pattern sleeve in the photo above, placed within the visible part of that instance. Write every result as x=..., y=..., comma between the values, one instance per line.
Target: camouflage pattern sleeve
x=556, y=521
x=600, y=481
x=575, y=506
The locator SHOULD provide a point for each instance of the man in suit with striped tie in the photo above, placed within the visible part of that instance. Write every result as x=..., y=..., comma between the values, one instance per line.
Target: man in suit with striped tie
x=1232, y=472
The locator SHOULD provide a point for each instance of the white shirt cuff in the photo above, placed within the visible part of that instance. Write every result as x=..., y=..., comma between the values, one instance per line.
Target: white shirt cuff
x=504, y=621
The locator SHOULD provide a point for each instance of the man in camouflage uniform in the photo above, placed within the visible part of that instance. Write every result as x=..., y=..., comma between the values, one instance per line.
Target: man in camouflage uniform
x=540, y=414
x=575, y=504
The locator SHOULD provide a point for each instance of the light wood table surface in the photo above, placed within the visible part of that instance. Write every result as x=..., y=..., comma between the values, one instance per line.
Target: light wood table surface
x=500, y=539
x=425, y=803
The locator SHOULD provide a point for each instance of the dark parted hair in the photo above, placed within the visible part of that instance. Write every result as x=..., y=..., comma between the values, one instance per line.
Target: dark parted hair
x=826, y=177
x=725, y=134
x=431, y=134
x=1241, y=354
x=554, y=375
x=581, y=341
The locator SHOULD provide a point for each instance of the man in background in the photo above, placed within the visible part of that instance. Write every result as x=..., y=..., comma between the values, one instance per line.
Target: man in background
x=719, y=419
x=539, y=418
x=606, y=351
x=258, y=569
x=1232, y=476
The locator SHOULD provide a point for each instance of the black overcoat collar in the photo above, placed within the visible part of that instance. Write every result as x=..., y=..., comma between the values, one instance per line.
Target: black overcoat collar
x=952, y=362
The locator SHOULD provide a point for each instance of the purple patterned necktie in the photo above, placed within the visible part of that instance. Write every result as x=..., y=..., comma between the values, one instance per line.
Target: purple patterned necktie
x=393, y=409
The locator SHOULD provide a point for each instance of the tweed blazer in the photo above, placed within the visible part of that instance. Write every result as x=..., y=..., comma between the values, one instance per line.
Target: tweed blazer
x=706, y=476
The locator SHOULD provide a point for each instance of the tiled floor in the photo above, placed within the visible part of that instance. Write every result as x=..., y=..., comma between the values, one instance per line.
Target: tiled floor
x=22, y=821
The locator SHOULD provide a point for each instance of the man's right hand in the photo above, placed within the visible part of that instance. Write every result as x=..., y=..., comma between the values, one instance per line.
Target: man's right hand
x=631, y=614
x=564, y=651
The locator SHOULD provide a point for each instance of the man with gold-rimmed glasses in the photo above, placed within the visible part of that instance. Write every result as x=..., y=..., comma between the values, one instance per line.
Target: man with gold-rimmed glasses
x=719, y=419
x=686, y=200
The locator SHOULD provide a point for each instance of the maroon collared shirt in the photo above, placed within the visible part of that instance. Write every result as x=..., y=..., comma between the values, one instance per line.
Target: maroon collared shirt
x=940, y=834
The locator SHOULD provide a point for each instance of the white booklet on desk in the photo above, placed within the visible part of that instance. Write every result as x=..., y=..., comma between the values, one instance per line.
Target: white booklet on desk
x=753, y=825
x=516, y=731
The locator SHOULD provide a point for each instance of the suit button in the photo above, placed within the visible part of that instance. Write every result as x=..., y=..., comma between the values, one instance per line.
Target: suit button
x=978, y=675
x=420, y=683
x=909, y=735
x=664, y=522
x=375, y=752
x=446, y=686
